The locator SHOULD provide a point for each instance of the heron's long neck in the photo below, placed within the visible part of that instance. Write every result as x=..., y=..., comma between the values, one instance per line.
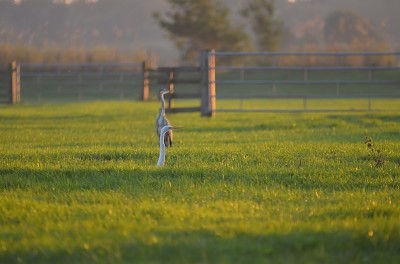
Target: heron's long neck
x=162, y=105
x=161, y=158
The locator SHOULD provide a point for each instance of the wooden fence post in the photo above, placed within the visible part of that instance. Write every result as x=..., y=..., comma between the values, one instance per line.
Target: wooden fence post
x=145, y=82
x=18, y=83
x=211, y=84
x=171, y=89
x=15, y=83
x=207, y=85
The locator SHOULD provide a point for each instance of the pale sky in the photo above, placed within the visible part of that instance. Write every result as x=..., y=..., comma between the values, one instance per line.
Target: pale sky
x=66, y=1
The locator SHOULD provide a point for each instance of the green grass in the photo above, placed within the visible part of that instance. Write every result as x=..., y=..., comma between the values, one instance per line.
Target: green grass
x=78, y=184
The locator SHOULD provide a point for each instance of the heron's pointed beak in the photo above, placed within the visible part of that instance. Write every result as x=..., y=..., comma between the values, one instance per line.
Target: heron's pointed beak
x=178, y=127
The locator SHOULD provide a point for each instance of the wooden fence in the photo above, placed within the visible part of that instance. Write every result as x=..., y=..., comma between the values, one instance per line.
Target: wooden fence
x=50, y=82
x=10, y=85
x=44, y=82
x=331, y=77
x=205, y=81
x=272, y=80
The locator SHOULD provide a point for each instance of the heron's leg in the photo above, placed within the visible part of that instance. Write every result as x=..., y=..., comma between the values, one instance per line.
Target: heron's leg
x=167, y=139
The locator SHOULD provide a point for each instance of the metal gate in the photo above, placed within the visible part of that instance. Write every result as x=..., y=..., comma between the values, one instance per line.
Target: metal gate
x=307, y=81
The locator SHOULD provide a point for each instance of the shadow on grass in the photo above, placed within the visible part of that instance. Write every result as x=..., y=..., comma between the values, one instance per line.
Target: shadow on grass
x=365, y=119
x=39, y=117
x=205, y=246
x=303, y=122
x=158, y=179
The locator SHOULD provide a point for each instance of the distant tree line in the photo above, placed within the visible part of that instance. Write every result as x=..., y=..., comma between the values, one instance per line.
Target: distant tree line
x=206, y=24
x=191, y=25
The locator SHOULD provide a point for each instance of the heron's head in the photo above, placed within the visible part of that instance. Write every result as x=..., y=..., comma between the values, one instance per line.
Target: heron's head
x=164, y=91
x=168, y=128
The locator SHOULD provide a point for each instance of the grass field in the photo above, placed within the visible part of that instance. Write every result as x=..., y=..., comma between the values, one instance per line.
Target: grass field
x=78, y=184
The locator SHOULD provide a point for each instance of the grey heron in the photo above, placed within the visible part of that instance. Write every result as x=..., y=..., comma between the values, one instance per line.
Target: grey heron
x=162, y=120
x=164, y=130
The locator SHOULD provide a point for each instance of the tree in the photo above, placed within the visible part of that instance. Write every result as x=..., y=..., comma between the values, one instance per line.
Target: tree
x=266, y=27
x=202, y=24
x=346, y=26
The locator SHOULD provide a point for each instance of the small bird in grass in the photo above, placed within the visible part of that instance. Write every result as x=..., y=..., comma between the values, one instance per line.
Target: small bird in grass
x=162, y=120
x=164, y=130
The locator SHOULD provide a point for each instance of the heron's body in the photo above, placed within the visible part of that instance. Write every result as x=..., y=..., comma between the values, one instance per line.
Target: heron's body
x=164, y=131
x=162, y=121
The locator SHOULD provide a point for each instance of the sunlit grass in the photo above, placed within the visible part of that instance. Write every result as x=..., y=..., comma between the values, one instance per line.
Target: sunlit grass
x=79, y=184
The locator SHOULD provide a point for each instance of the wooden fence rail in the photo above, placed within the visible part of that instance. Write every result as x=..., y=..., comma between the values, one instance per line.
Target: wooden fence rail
x=171, y=79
